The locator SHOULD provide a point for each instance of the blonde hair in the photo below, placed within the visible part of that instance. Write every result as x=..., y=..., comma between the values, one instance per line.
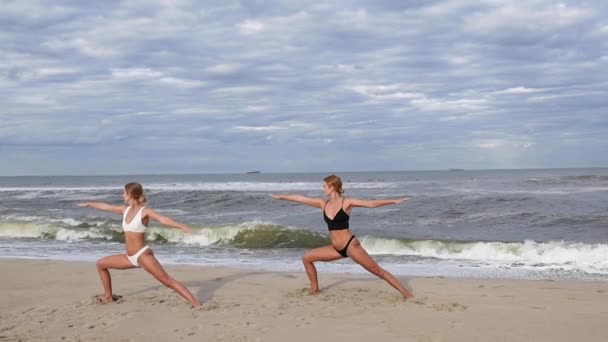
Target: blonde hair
x=136, y=191
x=335, y=182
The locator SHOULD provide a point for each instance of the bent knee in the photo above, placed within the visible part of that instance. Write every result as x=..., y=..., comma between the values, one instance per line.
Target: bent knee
x=101, y=264
x=308, y=259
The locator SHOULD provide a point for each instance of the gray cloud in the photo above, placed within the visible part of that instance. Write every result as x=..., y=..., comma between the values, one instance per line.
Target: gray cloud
x=185, y=86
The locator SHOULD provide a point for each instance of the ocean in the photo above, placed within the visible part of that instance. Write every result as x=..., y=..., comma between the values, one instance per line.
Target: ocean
x=531, y=224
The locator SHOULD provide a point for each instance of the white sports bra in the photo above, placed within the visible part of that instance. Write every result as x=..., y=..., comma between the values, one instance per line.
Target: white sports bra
x=136, y=225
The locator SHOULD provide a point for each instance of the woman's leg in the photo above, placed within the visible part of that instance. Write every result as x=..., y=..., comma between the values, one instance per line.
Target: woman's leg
x=327, y=253
x=360, y=256
x=149, y=263
x=117, y=261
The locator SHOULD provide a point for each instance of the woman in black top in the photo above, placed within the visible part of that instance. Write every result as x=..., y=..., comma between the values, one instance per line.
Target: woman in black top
x=336, y=213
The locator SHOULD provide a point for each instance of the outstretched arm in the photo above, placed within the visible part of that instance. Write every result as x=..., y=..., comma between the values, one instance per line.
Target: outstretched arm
x=355, y=202
x=313, y=202
x=116, y=209
x=165, y=221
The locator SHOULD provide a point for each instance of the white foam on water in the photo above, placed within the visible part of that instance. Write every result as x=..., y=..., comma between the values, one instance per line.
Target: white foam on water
x=591, y=258
x=209, y=186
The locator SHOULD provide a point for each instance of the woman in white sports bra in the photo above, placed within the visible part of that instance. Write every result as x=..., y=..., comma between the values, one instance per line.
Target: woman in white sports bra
x=135, y=217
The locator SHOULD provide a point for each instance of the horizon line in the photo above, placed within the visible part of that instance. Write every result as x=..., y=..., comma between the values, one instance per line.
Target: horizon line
x=302, y=172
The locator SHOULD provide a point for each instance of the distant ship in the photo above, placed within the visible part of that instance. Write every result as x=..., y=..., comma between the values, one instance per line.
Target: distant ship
x=252, y=172
x=456, y=169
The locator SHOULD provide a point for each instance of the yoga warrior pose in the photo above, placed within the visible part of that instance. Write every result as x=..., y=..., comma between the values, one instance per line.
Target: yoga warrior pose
x=135, y=218
x=336, y=213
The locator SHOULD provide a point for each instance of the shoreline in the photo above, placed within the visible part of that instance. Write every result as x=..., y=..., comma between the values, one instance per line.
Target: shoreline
x=51, y=300
x=350, y=268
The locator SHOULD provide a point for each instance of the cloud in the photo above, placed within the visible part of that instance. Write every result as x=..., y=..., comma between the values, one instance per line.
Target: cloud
x=385, y=92
x=84, y=46
x=493, y=144
x=242, y=84
x=430, y=104
x=519, y=90
x=140, y=74
x=527, y=17
x=257, y=128
x=241, y=90
x=181, y=83
x=225, y=68
x=250, y=27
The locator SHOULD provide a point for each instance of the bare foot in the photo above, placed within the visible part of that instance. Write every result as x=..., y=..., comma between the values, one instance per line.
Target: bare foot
x=102, y=299
x=313, y=292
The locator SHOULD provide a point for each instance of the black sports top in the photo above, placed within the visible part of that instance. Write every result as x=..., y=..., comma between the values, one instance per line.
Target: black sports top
x=340, y=221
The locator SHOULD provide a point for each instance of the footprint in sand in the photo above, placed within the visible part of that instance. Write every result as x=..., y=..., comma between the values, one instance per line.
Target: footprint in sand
x=208, y=306
x=418, y=300
x=537, y=307
x=170, y=300
x=7, y=328
x=299, y=293
x=601, y=291
x=456, y=324
x=449, y=307
x=303, y=324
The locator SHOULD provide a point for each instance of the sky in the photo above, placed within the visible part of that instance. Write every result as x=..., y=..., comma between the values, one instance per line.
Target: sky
x=145, y=87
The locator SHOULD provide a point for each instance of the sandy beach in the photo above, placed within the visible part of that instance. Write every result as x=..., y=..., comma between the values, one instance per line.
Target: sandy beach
x=51, y=300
